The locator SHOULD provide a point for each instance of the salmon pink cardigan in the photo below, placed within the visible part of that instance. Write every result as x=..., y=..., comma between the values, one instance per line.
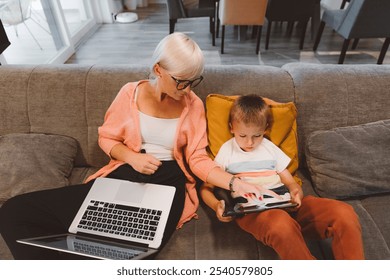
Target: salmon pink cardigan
x=121, y=125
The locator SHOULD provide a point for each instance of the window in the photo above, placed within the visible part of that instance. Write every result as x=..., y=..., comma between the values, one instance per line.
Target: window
x=44, y=31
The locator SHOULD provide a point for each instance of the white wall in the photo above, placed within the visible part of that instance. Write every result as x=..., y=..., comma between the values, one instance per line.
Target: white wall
x=107, y=8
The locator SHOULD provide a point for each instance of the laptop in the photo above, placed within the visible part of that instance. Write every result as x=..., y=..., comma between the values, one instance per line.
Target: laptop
x=118, y=220
x=240, y=206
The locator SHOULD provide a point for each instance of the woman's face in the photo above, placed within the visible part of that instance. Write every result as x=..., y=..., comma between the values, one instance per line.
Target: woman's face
x=175, y=87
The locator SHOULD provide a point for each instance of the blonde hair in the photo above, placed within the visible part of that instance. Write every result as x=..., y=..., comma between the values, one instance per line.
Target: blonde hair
x=180, y=56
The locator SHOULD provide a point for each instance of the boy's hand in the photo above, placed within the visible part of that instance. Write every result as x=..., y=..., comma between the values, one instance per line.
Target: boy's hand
x=295, y=189
x=296, y=197
x=219, y=211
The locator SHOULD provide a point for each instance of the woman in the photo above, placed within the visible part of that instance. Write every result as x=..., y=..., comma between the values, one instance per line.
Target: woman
x=154, y=131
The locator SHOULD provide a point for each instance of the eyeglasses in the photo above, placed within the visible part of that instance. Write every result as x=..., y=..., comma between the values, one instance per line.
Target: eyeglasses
x=182, y=84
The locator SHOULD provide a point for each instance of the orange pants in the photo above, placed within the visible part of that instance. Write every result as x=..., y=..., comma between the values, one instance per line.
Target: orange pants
x=318, y=218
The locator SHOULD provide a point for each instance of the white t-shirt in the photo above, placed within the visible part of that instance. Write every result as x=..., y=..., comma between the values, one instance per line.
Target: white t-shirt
x=260, y=166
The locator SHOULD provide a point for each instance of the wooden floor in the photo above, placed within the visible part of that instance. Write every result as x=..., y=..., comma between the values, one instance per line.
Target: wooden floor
x=134, y=43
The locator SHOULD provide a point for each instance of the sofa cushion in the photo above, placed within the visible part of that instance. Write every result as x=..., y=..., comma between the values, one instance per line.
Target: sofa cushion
x=282, y=132
x=32, y=162
x=350, y=161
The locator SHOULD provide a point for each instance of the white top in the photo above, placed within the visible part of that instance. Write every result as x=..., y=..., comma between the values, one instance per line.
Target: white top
x=158, y=135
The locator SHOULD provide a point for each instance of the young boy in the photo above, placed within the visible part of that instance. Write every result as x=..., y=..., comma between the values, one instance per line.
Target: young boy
x=252, y=157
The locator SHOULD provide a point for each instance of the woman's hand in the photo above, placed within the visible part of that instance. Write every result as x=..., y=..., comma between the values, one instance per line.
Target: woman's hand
x=144, y=163
x=141, y=162
x=242, y=188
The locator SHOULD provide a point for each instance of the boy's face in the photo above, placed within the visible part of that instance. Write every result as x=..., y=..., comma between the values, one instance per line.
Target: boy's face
x=248, y=136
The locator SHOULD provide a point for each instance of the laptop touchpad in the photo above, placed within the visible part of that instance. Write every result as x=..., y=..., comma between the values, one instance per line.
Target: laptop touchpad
x=133, y=194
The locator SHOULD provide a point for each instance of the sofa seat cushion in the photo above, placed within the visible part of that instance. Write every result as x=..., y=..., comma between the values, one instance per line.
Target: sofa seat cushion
x=201, y=239
x=373, y=216
x=352, y=161
x=80, y=174
x=31, y=162
x=282, y=132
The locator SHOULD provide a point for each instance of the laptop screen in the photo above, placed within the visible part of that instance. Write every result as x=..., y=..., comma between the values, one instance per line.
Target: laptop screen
x=91, y=247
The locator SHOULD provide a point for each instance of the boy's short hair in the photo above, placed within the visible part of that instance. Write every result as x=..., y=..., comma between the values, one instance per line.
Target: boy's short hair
x=251, y=109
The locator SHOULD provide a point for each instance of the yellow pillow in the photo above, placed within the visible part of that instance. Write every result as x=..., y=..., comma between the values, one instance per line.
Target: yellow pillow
x=282, y=132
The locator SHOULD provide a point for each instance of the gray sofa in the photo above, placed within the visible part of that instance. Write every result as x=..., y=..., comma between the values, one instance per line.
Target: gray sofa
x=71, y=100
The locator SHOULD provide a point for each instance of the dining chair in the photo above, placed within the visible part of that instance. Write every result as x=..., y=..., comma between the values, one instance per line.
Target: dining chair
x=291, y=11
x=4, y=42
x=204, y=8
x=242, y=13
x=361, y=19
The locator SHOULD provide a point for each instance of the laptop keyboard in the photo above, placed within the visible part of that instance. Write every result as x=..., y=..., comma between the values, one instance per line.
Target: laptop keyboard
x=121, y=220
